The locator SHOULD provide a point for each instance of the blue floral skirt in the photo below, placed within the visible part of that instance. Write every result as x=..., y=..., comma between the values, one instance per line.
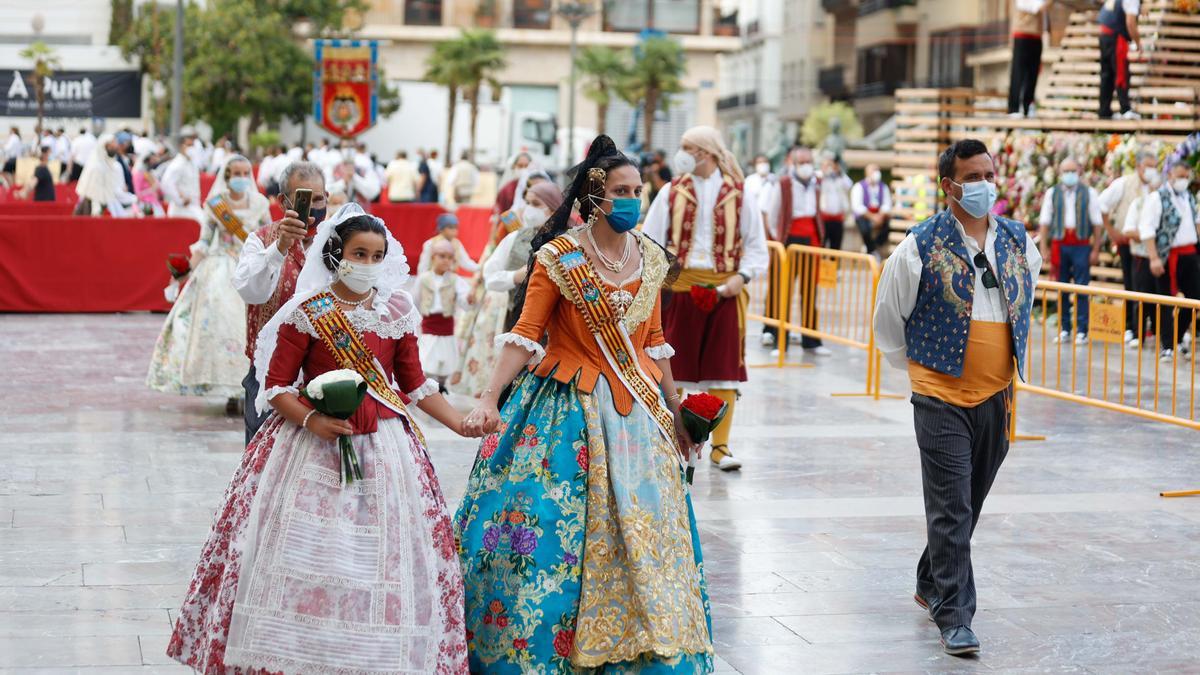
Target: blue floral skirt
x=579, y=546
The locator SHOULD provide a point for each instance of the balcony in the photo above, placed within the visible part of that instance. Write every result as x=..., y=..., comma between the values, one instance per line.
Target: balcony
x=872, y=89
x=747, y=100
x=838, y=7
x=867, y=7
x=832, y=82
x=991, y=35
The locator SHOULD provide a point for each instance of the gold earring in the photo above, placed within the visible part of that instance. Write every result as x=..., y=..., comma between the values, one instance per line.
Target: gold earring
x=592, y=217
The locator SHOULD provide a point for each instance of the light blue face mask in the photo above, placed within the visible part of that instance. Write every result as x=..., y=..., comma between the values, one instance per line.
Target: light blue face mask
x=241, y=184
x=625, y=212
x=1070, y=178
x=978, y=197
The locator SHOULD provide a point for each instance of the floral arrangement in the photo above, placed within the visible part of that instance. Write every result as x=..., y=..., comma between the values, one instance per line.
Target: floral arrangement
x=338, y=393
x=1188, y=151
x=1187, y=6
x=1027, y=165
x=704, y=297
x=701, y=414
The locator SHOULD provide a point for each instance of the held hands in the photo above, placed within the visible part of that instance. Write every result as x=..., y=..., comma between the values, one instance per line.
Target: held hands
x=329, y=428
x=290, y=230
x=732, y=286
x=482, y=420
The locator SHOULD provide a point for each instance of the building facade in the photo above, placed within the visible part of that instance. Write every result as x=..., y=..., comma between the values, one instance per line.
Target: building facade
x=536, y=79
x=883, y=45
x=770, y=84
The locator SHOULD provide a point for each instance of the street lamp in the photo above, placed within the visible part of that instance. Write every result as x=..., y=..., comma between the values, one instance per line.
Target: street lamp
x=575, y=12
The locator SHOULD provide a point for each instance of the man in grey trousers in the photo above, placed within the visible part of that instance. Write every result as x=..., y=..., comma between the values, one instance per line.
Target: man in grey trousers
x=953, y=309
x=269, y=265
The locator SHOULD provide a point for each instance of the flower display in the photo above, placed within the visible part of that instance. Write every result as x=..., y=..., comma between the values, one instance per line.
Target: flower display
x=701, y=414
x=704, y=297
x=338, y=393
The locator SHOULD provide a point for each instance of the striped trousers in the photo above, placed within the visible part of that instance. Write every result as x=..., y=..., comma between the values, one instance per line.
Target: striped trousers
x=961, y=451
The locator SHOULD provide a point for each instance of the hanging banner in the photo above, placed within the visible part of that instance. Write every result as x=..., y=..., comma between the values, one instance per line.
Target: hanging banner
x=73, y=93
x=345, y=86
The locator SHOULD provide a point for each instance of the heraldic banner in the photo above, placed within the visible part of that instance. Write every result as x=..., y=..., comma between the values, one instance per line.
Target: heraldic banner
x=345, y=85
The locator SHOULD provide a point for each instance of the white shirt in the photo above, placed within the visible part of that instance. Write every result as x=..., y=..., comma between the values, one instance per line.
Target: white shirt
x=13, y=147
x=62, y=149
x=1152, y=218
x=1133, y=218
x=495, y=276
x=1110, y=199
x=1047, y=215
x=257, y=270
x=401, y=180
x=860, y=201
x=81, y=148
x=364, y=183
x=901, y=280
x=460, y=293
x=181, y=181
x=700, y=255
x=835, y=194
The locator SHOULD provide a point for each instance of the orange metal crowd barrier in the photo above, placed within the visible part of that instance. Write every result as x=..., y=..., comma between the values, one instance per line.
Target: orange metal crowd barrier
x=1105, y=372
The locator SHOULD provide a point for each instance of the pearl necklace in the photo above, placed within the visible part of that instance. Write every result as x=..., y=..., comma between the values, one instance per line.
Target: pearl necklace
x=605, y=260
x=351, y=303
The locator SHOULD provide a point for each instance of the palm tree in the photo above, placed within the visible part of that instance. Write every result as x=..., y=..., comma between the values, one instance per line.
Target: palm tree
x=45, y=60
x=485, y=58
x=658, y=66
x=464, y=65
x=444, y=67
x=605, y=69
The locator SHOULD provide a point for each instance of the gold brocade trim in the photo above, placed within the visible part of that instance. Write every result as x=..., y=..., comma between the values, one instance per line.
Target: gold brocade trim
x=640, y=585
x=221, y=208
x=654, y=271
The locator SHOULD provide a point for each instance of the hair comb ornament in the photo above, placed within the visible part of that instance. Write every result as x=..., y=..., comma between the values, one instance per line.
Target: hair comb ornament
x=598, y=175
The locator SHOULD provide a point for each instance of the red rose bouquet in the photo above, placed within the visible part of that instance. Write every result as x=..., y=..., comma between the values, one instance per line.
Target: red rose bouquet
x=178, y=265
x=705, y=297
x=701, y=414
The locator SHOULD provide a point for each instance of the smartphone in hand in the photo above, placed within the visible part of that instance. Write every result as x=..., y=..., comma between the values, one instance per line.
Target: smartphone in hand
x=302, y=204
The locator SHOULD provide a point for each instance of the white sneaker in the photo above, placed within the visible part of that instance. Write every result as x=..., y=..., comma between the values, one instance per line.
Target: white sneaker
x=767, y=340
x=1133, y=344
x=795, y=339
x=1015, y=116
x=1128, y=336
x=1062, y=337
x=1081, y=339
x=1032, y=111
x=1131, y=115
x=820, y=351
x=1166, y=355
x=723, y=459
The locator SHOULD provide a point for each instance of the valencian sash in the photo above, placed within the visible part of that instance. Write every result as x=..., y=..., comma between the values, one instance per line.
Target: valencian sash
x=348, y=347
x=224, y=213
x=605, y=326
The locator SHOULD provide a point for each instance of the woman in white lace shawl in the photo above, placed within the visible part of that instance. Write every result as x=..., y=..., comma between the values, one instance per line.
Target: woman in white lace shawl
x=302, y=573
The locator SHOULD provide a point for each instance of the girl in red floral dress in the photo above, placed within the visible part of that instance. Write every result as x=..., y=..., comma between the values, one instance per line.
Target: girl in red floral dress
x=303, y=573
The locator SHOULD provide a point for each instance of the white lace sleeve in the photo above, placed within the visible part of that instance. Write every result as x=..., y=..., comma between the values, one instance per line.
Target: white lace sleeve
x=663, y=351
x=300, y=320
x=275, y=391
x=524, y=343
x=428, y=389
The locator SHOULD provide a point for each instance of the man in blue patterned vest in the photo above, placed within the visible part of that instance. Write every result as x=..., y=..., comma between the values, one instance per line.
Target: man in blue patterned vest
x=1071, y=227
x=1168, y=228
x=953, y=309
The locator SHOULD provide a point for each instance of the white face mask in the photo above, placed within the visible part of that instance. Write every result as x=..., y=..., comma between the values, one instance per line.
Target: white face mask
x=804, y=171
x=1180, y=185
x=533, y=216
x=875, y=177
x=1150, y=176
x=359, y=277
x=762, y=168
x=683, y=162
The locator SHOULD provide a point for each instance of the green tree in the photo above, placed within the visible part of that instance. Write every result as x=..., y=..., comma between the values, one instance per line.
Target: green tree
x=45, y=61
x=150, y=39
x=121, y=20
x=604, y=70
x=656, y=74
x=464, y=65
x=816, y=125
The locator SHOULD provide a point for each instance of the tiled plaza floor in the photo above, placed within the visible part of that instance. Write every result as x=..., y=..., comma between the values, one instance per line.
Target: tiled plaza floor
x=107, y=490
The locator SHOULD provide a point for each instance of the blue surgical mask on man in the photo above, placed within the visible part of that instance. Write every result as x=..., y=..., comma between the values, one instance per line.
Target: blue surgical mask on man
x=978, y=197
x=625, y=212
x=1070, y=178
